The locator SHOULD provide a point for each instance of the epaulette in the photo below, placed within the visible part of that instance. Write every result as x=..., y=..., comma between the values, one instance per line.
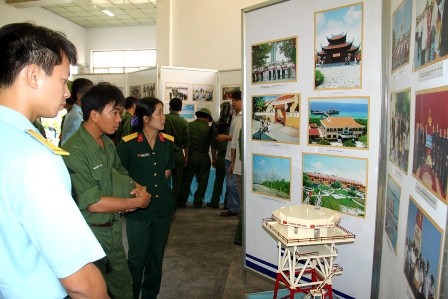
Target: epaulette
x=56, y=150
x=129, y=137
x=169, y=137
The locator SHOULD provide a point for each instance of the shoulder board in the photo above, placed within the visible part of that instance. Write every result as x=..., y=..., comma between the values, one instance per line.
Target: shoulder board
x=169, y=137
x=56, y=150
x=129, y=137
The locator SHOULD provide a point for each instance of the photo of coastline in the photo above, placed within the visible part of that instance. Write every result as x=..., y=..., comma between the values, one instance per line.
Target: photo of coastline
x=271, y=176
x=276, y=118
x=187, y=112
x=338, y=121
x=422, y=253
x=336, y=183
x=392, y=210
x=401, y=34
x=338, y=47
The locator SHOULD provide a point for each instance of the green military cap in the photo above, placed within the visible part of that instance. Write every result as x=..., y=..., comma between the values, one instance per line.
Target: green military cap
x=204, y=112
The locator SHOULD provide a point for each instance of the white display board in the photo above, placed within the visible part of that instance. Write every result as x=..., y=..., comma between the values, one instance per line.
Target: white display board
x=280, y=147
x=415, y=216
x=197, y=88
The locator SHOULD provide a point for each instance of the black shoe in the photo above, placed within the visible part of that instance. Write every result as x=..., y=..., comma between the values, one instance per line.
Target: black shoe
x=197, y=205
x=181, y=205
x=239, y=243
x=225, y=208
x=228, y=213
x=212, y=206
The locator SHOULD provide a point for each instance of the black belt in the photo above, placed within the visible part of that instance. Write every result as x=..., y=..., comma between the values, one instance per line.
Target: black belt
x=107, y=224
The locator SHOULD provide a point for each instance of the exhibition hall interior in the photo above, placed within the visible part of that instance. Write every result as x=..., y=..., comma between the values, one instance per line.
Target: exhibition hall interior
x=307, y=142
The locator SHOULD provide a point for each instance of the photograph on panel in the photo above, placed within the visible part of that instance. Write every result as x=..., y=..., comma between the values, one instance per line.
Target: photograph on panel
x=392, y=212
x=176, y=90
x=187, y=112
x=430, y=162
x=335, y=182
x=422, y=253
x=227, y=90
x=401, y=34
x=276, y=118
x=203, y=93
x=338, y=47
x=274, y=61
x=271, y=176
x=338, y=121
x=399, y=129
x=149, y=90
x=431, y=32
x=135, y=91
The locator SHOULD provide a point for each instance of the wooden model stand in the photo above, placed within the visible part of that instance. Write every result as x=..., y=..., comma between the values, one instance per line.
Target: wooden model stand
x=307, y=236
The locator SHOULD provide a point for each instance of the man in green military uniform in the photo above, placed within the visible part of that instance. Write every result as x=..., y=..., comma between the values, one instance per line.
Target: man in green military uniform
x=178, y=127
x=201, y=137
x=101, y=185
x=125, y=127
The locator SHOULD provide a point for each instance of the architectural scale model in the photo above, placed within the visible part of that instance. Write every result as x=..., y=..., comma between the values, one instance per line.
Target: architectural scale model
x=307, y=236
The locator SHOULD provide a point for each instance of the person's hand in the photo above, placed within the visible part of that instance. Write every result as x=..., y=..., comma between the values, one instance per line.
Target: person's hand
x=214, y=163
x=221, y=137
x=142, y=196
x=231, y=167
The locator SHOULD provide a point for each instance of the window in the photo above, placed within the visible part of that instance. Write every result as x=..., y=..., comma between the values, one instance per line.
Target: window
x=122, y=61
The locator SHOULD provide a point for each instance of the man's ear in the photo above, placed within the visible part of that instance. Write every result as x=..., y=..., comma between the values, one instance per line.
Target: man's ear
x=33, y=73
x=94, y=116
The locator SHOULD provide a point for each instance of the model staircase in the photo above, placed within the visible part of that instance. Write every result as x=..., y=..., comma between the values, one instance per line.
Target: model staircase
x=320, y=292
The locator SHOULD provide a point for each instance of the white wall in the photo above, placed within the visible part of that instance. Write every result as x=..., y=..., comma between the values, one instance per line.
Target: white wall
x=202, y=33
x=75, y=33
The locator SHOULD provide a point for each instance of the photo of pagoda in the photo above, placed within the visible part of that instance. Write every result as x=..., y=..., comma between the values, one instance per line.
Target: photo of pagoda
x=338, y=47
x=338, y=50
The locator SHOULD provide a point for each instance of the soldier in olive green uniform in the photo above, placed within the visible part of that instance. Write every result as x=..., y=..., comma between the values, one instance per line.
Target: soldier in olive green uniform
x=201, y=137
x=176, y=126
x=218, y=161
x=149, y=157
x=101, y=185
x=125, y=125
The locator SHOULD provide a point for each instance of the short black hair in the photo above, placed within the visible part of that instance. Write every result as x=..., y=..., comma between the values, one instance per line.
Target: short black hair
x=97, y=97
x=79, y=86
x=236, y=94
x=176, y=104
x=129, y=102
x=22, y=44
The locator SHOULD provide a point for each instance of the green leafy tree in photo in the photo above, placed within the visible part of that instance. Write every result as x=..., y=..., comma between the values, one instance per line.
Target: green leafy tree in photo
x=260, y=53
x=288, y=48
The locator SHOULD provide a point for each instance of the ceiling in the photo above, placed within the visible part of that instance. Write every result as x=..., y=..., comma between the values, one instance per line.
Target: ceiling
x=89, y=13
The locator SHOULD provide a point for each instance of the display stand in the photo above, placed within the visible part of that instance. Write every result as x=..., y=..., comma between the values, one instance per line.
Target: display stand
x=306, y=240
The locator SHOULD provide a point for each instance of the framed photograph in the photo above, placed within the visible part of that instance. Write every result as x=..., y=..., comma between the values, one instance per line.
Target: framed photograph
x=271, y=176
x=339, y=122
x=338, y=47
x=392, y=211
x=149, y=90
x=431, y=140
x=423, y=251
x=276, y=118
x=135, y=91
x=203, y=93
x=187, y=112
x=431, y=32
x=176, y=90
x=274, y=61
x=399, y=129
x=228, y=89
x=335, y=182
x=401, y=34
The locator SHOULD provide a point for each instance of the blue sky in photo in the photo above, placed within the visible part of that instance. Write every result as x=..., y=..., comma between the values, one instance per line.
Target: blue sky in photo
x=402, y=16
x=346, y=19
x=276, y=167
x=348, y=168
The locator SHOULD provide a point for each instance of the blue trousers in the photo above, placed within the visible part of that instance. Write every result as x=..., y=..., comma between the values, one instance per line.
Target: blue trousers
x=233, y=199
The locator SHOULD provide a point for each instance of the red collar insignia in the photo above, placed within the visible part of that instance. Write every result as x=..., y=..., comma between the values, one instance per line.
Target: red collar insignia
x=161, y=137
x=140, y=138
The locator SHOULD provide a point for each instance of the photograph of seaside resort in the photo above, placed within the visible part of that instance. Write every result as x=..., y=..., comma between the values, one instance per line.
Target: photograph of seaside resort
x=430, y=162
x=392, y=211
x=276, y=118
x=401, y=34
x=176, y=90
x=338, y=39
x=271, y=176
x=338, y=122
x=274, y=61
x=336, y=183
x=399, y=130
x=422, y=253
x=431, y=32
